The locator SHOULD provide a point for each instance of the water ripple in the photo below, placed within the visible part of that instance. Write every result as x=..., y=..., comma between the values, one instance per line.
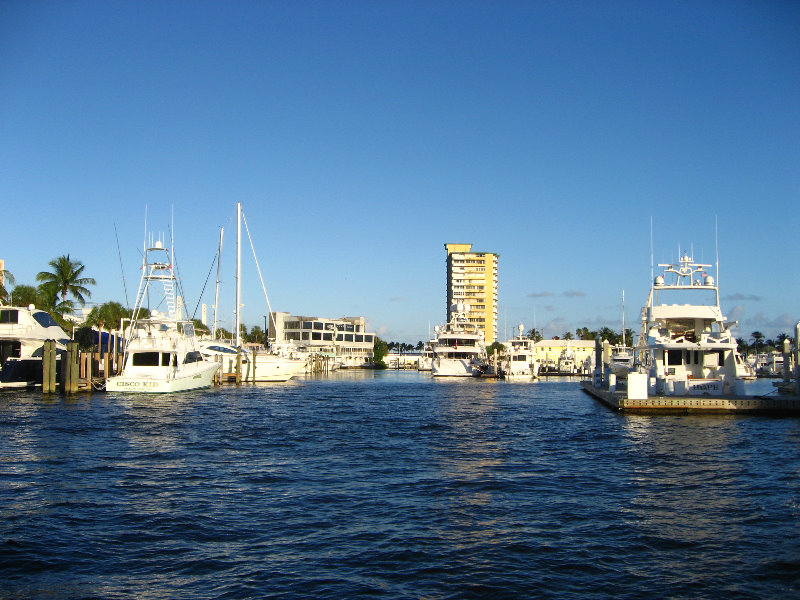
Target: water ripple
x=392, y=485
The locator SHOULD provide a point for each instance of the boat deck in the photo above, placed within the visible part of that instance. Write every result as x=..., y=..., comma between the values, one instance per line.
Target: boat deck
x=773, y=405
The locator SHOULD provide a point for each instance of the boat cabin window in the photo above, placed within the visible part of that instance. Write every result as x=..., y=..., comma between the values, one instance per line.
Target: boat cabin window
x=221, y=349
x=10, y=349
x=192, y=357
x=150, y=359
x=675, y=357
x=188, y=329
x=9, y=316
x=44, y=319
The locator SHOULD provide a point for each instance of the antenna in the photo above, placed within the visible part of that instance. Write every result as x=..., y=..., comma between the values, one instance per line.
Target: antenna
x=716, y=247
x=651, y=250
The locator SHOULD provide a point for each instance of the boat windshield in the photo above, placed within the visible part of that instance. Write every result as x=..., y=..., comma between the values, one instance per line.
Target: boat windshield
x=44, y=319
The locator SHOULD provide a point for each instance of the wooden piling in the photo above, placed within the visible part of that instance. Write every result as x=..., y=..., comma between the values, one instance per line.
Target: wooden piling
x=49, y=367
x=239, y=366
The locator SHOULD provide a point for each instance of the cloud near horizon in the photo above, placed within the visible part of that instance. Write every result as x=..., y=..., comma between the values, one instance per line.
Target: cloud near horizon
x=573, y=294
x=540, y=294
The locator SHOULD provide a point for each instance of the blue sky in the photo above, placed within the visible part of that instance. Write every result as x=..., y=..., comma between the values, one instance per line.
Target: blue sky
x=361, y=137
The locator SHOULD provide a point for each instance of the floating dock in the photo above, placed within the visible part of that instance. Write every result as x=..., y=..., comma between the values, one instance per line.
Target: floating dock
x=726, y=404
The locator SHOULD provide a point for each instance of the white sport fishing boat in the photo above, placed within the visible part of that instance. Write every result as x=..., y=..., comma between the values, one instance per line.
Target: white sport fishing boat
x=161, y=353
x=520, y=360
x=459, y=349
x=23, y=331
x=688, y=349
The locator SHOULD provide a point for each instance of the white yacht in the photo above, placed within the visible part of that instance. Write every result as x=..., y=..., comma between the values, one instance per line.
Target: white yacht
x=622, y=358
x=687, y=348
x=23, y=331
x=744, y=370
x=161, y=352
x=621, y=361
x=566, y=361
x=459, y=349
x=425, y=362
x=520, y=360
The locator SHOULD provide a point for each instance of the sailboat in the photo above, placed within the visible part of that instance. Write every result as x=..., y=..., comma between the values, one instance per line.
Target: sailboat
x=268, y=366
x=161, y=353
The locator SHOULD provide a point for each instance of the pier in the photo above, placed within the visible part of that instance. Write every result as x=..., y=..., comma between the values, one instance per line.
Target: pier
x=775, y=405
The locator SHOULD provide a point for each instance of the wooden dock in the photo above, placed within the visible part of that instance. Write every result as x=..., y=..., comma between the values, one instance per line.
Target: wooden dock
x=726, y=404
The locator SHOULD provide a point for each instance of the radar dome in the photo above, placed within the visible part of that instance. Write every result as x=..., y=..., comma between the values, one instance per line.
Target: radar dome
x=709, y=280
x=659, y=280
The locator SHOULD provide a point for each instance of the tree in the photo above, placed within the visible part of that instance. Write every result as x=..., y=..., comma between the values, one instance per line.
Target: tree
x=535, y=335
x=379, y=351
x=108, y=315
x=567, y=335
x=495, y=347
x=25, y=295
x=65, y=279
x=5, y=276
x=420, y=345
x=757, y=336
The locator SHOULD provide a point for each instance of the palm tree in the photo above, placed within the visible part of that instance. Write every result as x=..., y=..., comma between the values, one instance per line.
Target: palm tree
x=757, y=337
x=108, y=315
x=5, y=276
x=66, y=279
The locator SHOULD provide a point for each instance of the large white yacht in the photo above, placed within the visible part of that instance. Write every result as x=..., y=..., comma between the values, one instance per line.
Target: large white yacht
x=459, y=349
x=161, y=352
x=519, y=361
x=23, y=331
x=687, y=348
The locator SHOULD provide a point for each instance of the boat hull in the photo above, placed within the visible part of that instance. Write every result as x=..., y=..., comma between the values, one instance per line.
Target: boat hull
x=193, y=380
x=452, y=367
x=271, y=368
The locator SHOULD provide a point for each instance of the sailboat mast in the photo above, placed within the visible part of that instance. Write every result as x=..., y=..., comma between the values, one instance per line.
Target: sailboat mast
x=623, y=317
x=216, y=290
x=238, y=270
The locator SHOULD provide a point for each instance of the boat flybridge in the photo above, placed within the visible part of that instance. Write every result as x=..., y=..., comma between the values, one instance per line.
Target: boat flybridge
x=687, y=348
x=161, y=352
x=459, y=349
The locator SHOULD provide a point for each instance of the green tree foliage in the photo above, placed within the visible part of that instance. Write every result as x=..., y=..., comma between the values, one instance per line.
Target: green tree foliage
x=25, y=295
x=535, y=335
x=65, y=279
x=379, y=351
x=495, y=347
x=108, y=315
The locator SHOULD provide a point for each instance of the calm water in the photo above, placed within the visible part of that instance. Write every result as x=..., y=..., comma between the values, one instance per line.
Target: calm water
x=392, y=485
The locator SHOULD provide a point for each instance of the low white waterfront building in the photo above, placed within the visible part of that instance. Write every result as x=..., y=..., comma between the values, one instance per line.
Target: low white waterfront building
x=346, y=339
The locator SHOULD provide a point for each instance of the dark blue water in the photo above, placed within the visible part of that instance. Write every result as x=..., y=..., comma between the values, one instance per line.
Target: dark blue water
x=392, y=485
